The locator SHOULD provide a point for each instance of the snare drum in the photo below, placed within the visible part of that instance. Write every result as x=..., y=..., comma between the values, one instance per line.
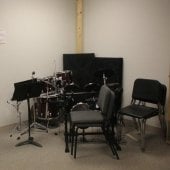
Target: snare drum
x=80, y=107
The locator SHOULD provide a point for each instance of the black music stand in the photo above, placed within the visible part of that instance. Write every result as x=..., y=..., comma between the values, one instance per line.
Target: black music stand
x=24, y=91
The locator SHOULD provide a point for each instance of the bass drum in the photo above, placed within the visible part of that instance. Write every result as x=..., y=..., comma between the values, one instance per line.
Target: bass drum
x=50, y=109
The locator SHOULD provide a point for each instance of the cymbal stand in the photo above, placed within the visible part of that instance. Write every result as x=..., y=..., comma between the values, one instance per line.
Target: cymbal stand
x=55, y=83
x=104, y=78
x=47, y=114
x=19, y=124
x=36, y=124
x=55, y=77
x=46, y=108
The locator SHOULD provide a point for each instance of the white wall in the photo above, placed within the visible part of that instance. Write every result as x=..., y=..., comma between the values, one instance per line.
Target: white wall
x=137, y=30
x=37, y=33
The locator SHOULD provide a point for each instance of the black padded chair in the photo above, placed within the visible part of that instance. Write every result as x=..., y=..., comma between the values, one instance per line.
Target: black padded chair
x=148, y=100
x=95, y=118
x=81, y=107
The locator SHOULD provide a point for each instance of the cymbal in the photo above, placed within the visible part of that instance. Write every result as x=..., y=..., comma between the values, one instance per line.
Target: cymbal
x=92, y=87
x=63, y=72
x=72, y=88
x=48, y=83
x=106, y=72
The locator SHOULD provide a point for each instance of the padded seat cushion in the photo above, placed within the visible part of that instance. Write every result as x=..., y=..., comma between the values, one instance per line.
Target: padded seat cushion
x=85, y=117
x=138, y=111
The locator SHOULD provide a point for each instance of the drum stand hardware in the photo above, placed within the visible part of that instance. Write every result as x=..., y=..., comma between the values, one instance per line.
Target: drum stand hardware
x=47, y=116
x=104, y=74
x=18, y=126
x=49, y=108
x=35, y=124
x=104, y=79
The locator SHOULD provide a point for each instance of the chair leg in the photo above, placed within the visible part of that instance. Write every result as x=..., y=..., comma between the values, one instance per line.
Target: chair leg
x=111, y=140
x=113, y=148
x=142, y=126
x=75, y=147
x=84, y=135
x=72, y=134
x=163, y=124
x=115, y=136
x=119, y=128
x=136, y=124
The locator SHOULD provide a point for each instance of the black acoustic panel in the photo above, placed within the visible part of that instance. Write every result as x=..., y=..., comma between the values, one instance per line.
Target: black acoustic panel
x=108, y=63
x=86, y=68
x=82, y=67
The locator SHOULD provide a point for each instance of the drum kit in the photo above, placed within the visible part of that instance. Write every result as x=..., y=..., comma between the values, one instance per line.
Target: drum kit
x=51, y=100
x=57, y=90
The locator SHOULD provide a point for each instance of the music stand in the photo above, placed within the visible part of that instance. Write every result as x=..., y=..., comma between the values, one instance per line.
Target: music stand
x=24, y=91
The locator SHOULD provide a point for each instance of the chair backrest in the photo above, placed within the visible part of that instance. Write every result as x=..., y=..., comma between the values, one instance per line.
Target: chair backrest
x=111, y=107
x=148, y=90
x=163, y=94
x=104, y=99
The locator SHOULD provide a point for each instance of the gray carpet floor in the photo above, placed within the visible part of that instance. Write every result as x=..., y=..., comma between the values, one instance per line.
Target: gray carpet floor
x=90, y=155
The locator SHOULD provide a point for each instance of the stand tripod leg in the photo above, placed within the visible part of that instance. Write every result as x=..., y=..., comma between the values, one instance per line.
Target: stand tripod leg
x=17, y=127
x=29, y=141
x=36, y=124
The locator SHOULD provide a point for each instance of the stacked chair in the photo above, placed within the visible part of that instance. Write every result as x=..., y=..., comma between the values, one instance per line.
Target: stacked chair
x=102, y=118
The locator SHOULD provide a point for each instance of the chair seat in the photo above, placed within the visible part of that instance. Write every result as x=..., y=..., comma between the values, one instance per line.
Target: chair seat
x=86, y=117
x=138, y=111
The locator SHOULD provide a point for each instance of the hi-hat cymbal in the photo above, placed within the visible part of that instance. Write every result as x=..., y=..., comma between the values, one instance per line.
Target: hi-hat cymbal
x=106, y=72
x=92, y=87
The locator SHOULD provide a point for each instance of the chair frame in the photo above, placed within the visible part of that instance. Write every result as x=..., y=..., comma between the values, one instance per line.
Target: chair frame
x=139, y=102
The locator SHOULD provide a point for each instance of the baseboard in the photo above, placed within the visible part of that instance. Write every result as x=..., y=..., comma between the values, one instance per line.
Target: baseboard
x=12, y=125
